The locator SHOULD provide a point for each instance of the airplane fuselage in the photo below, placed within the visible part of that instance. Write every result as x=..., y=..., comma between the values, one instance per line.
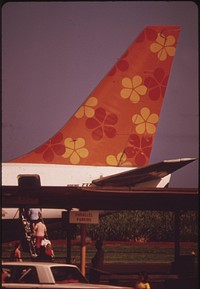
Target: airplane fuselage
x=65, y=175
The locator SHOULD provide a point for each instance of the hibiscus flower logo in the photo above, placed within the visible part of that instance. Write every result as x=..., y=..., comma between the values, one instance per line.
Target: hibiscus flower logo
x=156, y=84
x=122, y=65
x=87, y=109
x=145, y=121
x=51, y=148
x=139, y=149
x=133, y=88
x=75, y=150
x=119, y=160
x=164, y=46
x=102, y=124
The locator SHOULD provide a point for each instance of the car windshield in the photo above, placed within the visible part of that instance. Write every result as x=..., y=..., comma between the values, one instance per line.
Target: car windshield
x=63, y=274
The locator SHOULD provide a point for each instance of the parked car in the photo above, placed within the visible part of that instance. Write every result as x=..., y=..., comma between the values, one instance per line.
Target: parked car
x=46, y=275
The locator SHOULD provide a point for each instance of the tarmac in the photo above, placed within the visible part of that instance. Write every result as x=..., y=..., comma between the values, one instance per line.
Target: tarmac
x=160, y=275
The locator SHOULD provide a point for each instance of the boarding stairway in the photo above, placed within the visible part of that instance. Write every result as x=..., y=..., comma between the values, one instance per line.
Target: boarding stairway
x=28, y=234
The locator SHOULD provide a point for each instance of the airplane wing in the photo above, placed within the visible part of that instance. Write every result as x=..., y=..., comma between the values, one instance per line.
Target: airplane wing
x=143, y=174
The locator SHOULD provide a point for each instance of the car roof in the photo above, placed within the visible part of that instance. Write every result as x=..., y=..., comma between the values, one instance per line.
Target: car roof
x=47, y=264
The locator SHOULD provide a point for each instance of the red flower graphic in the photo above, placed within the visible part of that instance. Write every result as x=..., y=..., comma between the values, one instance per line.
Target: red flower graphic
x=53, y=146
x=156, y=84
x=139, y=148
x=102, y=124
x=149, y=33
x=122, y=65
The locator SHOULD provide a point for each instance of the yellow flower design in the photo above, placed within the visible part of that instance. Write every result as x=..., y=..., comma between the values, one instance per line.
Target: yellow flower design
x=133, y=88
x=87, y=108
x=164, y=46
x=145, y=122
x=119, y=160
x=75, y=150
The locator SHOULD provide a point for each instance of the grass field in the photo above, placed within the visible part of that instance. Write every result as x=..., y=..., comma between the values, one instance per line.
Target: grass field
x=116, y=252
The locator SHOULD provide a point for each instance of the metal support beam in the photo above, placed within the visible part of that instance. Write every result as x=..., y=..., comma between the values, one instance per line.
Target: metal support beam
x=83, y=248
x=66, y=224
x=177, y=235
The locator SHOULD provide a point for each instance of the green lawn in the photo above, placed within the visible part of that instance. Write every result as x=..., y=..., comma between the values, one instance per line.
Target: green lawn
x=129, y=254
x=116, y=252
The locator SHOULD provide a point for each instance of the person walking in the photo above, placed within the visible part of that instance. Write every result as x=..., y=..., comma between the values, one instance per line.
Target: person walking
x=40, y=231
x=34, y=215
x=97, y=263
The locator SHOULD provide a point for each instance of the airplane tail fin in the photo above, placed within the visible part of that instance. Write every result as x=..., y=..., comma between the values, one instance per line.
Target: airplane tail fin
x=116, y=125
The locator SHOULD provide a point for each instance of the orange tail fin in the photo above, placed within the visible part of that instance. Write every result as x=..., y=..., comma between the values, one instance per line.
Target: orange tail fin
x=116, y=125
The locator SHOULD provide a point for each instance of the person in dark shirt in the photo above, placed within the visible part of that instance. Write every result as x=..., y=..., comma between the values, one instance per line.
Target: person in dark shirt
x=97, y=263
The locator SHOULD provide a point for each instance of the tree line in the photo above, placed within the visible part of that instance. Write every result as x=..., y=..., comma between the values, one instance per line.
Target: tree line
x=145, y=226
x=139, y=226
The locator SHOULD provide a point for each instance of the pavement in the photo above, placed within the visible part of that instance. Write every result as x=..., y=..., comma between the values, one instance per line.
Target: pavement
x=159, y=274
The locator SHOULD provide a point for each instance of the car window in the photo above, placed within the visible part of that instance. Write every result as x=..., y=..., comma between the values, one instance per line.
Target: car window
x=67, y=275
x=5, y=274
x=21, y=274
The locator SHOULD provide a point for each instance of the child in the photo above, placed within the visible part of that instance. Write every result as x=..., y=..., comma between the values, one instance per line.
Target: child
x=49, y=253
x=16, y=254
x=46, y=252
x=142, y=282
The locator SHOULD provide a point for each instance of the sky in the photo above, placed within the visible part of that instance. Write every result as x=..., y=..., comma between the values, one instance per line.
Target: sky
x=55, y=53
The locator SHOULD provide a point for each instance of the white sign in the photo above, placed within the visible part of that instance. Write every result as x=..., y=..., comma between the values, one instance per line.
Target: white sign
x=84, y=217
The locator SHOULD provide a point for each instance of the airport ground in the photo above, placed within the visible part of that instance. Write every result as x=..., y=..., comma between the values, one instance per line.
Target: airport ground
x=159, y=276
